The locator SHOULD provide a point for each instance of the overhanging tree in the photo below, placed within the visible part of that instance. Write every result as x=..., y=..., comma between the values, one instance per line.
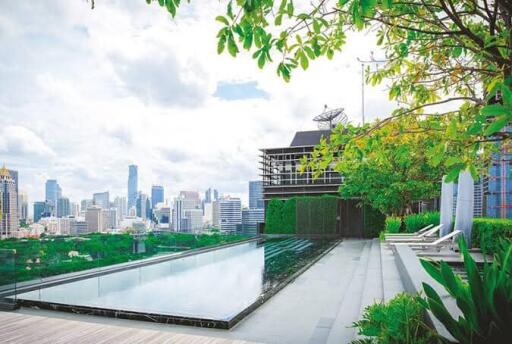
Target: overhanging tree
x=438, y=52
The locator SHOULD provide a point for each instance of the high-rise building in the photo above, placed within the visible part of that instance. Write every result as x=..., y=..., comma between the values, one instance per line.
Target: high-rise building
x=121, y=206
x=498, y=188
x=256, y=194
x=42, y=210
x=141, y=205
x=251, y=218
x=74, y=209
x=190, y=199
x=23, y=205
x=132, y=185
x=227, y=214
x=101, y=199
x=194, y=220
x=177, y=214
x=53, y=192
x=63, y=207
x=85, y=204
x=94, y=219
x=211, y=195
x=110, y=218
x=157, y=195
x=8, y=204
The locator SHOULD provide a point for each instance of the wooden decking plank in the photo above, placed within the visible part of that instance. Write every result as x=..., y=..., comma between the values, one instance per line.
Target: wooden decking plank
x=21, y=328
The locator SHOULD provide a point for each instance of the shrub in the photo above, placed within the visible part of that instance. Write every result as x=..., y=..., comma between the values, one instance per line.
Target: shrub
x=393, y=224
x=374, y=222
x=485, y=301
x=415, y=222
x=399, y=321
x=274, y=217
x=487, y=233
x=289, y=216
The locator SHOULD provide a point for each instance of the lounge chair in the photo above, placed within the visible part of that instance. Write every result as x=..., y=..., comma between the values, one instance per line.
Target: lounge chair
x=405, y=235
x=423, y=237
x=438, y=244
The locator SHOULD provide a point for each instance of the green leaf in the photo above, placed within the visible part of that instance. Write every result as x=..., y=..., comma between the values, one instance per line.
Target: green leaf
x=222, y=20
x=303, y=60
x=456, y=52
x=232, y=47
x=496, y=126
x=261, y=60
x=494, y=110
x=171, y=8
x=290, y=9
x=221, y=44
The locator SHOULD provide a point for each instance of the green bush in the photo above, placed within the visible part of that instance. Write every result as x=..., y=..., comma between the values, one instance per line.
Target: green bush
x=289, y=216
x=485, y=300
x=487, y=233
x=399, y=321
x=393, y=224
x=374, y=222
x=415, y=222
x=274, y=217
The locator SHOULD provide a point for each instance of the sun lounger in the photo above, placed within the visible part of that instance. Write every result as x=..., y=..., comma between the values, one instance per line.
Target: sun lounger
x=421, y=231
x=438, y=244
x=425, y=236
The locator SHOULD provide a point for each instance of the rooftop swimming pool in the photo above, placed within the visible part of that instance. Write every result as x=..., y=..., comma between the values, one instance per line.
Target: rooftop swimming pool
x=211, y=289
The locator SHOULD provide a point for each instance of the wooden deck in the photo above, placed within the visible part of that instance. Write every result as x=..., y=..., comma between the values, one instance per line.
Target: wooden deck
x=22, y=328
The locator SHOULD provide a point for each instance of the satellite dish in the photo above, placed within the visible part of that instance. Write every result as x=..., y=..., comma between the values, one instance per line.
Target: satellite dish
x=328, y=119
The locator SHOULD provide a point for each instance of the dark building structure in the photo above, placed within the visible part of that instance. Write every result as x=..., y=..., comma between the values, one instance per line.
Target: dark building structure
x=282, y=180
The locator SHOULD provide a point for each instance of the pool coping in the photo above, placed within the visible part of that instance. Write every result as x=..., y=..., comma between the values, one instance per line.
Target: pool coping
x=26, y=286
x=174, y=319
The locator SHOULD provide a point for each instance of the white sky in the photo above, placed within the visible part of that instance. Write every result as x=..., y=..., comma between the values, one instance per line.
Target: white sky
x=84, y=93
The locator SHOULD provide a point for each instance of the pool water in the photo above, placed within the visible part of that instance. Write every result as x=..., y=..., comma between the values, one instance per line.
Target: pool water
x=215, y=285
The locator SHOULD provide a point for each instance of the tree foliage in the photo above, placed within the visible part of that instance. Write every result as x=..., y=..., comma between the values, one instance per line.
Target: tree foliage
x=443, y=57
x=400, y=163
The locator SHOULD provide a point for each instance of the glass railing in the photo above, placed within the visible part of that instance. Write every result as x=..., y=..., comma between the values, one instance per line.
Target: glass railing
x=7, y=278
x=28, y=261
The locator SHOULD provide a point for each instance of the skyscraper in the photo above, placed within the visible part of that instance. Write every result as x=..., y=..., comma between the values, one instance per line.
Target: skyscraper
x=22, y=205
x=53, y=193
x=141, y=204
x=227, y=214
x=121, y=206
x=157, y=195
x=8, y=204
x=256, y=194
x=132, y=185
x=101, y=199
x=41, y=209
x=211, y=195
x=63, y=207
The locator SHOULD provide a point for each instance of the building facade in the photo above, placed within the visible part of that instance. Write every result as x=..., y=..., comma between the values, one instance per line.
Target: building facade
x=9, y=220
x=256, y=194
x=63, y=207
x=101, y=199
x=498, y=184
x=132, y=185
x=251, y=218
x=53, y=192
x=157, y=195
x=227, y=214
x=94, y=219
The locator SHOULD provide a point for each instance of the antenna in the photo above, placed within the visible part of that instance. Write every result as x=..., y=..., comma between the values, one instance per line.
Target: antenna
x=330, y=118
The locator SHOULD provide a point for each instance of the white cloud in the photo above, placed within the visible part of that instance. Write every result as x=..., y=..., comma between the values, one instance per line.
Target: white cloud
x=124, y=83
x=20, y=142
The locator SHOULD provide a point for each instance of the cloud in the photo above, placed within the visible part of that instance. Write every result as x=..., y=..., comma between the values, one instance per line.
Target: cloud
x=175, y=155
x=21, y=142
x=158, y=79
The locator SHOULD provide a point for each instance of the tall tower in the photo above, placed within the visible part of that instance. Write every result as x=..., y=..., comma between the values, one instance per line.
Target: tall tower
x=8, y=204
x=132, y=185
x=157, y=195
x=53, y=193
x=256, y=194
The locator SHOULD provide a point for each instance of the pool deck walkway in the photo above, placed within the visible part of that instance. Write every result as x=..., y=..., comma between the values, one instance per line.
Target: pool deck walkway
x=318, y=307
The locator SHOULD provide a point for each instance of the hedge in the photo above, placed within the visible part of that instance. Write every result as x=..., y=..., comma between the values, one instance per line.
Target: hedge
x=314, y=215
x=415, y=222
x=393, y=224
x=487, y=233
